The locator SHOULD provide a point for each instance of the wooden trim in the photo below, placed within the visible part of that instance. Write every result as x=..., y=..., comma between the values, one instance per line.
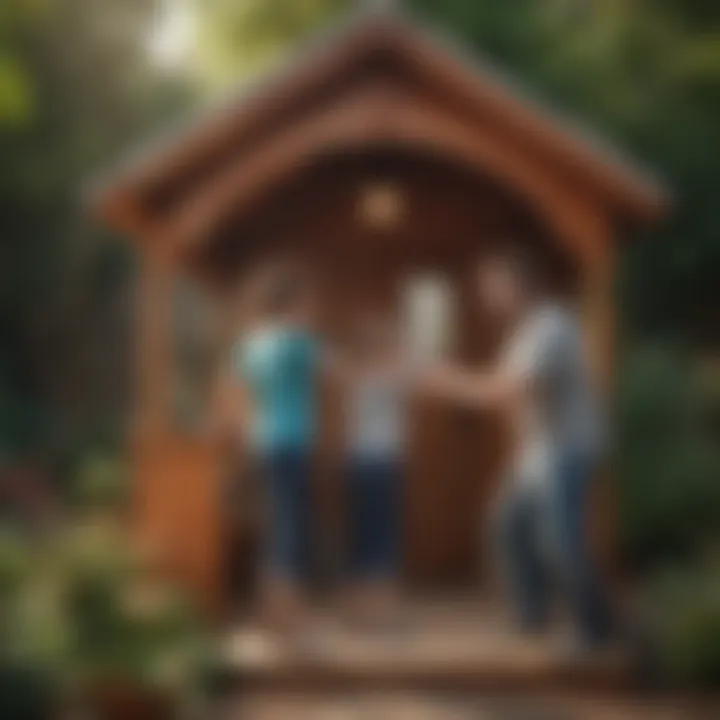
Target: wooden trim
x=599, y=309
x=246, y=110
x=119, y=208
x=598, y=280
x=377, y=117
x=178, y=514
x=154, y=352
x=530, y=125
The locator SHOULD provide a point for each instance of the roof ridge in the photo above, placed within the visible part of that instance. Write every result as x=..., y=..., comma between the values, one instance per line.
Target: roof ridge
x=362, y=17
x=608, y=150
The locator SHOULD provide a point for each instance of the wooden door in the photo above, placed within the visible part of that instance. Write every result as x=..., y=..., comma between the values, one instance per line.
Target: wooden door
x=453, y=466
x=453, y=453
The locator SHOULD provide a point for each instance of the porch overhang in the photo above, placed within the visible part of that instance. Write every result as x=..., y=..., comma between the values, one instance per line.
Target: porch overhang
x=381, y=83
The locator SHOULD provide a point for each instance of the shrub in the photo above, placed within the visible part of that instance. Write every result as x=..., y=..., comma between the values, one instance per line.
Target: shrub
x=26, y=690
x=668, y=463
x=685, y=610
x=82, y=614
x=102, y=482
x=14, y=563
x=126, y=626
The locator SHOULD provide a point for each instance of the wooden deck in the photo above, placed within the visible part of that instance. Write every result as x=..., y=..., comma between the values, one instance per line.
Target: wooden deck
x=453, y=645
x=433, y=707
x=453, y=660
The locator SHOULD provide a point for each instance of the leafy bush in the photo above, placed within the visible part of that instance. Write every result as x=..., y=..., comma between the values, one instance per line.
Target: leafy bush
x=82, y=612
x=14, y=564
x=25, y=692
x=102, y=482
x=126, y=625
x=26, y=689
x=668, y=462
x=685, y=611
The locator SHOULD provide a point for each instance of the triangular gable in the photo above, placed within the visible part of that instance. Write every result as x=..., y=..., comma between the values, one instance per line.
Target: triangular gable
x=136, y=199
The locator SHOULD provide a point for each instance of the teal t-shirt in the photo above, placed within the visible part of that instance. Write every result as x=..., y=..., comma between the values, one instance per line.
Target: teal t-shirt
x=280, y=367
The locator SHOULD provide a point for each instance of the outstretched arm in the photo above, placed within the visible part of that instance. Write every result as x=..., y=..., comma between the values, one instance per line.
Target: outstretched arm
x=530, y=359
x=474, y=389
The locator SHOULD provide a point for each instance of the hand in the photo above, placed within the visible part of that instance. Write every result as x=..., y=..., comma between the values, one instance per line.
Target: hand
x=436, y=379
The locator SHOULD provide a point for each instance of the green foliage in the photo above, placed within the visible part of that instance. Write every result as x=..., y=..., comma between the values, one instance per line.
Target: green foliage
x=15, y=93
x=75, y=91
x=240, y=38
x=14, y=561
x=685, y=610
x=26, y=687
x=668, y=460
x=102, y=482
x=125, y=625
x=25, y=693
x=80, y=610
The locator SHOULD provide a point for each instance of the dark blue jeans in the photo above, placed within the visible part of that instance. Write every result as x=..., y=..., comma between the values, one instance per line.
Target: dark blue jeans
x=544, y=541
x=287, y=478
x=374, y=505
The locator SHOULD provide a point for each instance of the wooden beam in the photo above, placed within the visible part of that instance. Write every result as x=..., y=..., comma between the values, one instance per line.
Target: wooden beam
x=490, y=94
x=481, y=90
x=178, y=513
x=376, y=117
x=598, y=280
x=247, y=110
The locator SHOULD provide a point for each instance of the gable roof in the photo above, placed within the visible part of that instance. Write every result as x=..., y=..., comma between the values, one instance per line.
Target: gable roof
x=126, y=199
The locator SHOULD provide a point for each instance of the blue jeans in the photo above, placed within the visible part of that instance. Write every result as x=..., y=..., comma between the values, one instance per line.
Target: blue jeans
x=543, y=533
x=374, y=502
x=288, y=493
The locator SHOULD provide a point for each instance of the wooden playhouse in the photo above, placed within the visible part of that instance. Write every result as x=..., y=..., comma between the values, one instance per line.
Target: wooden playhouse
x=379, y=155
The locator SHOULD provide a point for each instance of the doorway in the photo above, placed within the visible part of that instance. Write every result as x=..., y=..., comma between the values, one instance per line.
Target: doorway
x=454, y=454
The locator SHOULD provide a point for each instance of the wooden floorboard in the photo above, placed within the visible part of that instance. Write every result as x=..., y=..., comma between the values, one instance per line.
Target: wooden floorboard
x=459, y=707
x=451, y=645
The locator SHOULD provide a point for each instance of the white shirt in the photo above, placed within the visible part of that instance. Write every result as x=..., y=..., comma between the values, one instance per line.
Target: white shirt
x=561, y=412
x=378, y=414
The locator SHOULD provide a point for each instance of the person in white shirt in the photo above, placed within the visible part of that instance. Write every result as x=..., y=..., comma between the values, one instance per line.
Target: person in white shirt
x=377, y=383
x=543, y=381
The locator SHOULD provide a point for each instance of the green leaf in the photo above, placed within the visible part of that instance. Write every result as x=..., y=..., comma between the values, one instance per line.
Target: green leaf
x=16, y=96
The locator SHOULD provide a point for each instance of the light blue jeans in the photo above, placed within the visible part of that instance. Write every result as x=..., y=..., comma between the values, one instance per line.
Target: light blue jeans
x=543, y=534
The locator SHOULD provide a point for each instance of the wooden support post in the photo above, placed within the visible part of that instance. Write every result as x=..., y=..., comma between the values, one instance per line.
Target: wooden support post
x=177, y=513
x=154, y=352
x=599, y=309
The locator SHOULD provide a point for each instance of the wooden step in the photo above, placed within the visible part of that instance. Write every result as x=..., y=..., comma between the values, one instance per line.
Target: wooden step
x=427, y=706
x=444, y=646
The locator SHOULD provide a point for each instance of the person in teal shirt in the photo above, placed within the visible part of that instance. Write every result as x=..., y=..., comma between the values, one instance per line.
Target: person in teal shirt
x=277, y=364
